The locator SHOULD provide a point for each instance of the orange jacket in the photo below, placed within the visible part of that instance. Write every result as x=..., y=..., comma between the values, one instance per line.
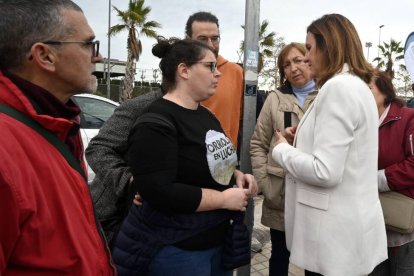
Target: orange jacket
x=226, y=104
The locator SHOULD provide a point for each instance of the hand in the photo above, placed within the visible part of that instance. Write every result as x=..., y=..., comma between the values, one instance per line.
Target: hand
x=279, y=137
x=290, y=133
x=137, y=200
x=235, y=199
x=246, y=181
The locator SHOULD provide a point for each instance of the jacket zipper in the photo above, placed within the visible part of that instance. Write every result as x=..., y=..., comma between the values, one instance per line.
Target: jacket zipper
x=390, y=120
x=411, y=144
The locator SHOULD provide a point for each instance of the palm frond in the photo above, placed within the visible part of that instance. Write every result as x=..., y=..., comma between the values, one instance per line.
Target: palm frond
x=136, y=18
x=149, y=33
x=122, y=14
x=241, y=45
x=151, y=25
x=399, y=57
x=267, y=52
x=114, y=30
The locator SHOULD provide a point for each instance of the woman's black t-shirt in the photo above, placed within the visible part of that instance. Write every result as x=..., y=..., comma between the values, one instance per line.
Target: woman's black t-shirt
x=171, y=166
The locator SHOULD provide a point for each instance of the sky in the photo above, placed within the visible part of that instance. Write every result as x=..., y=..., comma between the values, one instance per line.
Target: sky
x=288, y=18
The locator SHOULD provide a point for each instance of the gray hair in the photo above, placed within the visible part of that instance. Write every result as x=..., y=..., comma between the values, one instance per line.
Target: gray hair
x=25, y=22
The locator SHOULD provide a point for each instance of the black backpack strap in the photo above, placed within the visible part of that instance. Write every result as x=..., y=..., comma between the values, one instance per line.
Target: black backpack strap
x=49, y=136
x=151, y=117
x=288, y=119
x=148, y=117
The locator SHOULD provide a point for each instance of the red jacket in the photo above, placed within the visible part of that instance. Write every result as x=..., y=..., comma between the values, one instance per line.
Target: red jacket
x=47, y=223
x=396, y=149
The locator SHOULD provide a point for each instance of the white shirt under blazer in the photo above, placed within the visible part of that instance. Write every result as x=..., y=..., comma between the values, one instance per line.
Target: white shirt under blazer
x=334, y=221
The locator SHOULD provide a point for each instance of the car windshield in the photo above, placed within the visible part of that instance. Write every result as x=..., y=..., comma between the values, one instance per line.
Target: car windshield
x=95, y=112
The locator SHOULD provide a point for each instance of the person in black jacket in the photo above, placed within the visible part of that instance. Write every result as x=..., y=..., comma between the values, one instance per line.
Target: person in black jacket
x=106, y=155
x=184, y=171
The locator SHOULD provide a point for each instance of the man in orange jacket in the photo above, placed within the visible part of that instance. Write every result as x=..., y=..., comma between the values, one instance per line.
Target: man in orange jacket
x=226, y=103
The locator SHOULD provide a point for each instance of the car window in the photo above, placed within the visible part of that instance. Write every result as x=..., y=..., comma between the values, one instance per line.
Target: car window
x=410, y=103
x=94, y=112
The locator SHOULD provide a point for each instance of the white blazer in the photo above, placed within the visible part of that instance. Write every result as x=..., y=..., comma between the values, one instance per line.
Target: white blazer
x=334, y=221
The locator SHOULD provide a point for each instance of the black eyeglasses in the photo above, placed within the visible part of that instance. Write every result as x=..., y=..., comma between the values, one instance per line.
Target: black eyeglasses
x=95, y=45
x=212, y=65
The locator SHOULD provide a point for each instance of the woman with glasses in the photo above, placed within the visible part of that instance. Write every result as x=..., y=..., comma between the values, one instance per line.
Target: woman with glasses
x=333, y=218
x=184, y=168
x=282, y=109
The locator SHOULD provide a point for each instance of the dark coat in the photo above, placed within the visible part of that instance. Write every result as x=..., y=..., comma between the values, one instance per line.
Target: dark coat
x=105, y=155
x=145, y=231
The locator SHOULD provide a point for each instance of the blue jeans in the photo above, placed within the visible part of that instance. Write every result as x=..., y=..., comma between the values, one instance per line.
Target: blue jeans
x=400, y=262
x=173, y=261
x=279, y=258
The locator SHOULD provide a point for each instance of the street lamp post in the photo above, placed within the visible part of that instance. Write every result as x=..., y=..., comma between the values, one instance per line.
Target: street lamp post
x=108, y=73
x=379, y=39
x=155, y=76
x=368, y=45
x=142, y=77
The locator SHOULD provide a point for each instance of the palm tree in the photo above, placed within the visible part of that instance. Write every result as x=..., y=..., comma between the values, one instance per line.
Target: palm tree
x=266, y=43
x=269, y=75
x=390, y=53
x=134, y=20
x=402, y=80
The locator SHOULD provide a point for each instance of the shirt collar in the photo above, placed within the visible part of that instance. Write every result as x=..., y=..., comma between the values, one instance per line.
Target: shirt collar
x=43, y=101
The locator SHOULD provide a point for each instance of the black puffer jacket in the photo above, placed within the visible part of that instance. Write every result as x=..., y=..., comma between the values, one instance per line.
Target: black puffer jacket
x=145, y=231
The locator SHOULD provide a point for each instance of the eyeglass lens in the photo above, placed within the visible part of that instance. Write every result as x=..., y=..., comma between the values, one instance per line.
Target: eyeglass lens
x=95, y=48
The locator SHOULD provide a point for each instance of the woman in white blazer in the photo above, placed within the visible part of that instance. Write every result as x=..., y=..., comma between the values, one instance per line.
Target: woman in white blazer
x=333, y=217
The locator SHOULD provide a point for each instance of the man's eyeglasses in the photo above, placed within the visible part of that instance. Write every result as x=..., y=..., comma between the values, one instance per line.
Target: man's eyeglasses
x=213, y=39
x=212, y=65
x=95, y=44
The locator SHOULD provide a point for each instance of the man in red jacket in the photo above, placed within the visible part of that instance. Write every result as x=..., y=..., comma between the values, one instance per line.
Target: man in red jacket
x=47, y=222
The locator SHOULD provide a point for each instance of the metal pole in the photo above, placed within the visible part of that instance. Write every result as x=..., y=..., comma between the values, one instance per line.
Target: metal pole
x=108, y=73
x=368, y=45
x=251, y=59
x=379, y=39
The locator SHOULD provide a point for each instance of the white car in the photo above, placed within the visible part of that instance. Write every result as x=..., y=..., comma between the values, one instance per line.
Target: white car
x=95, y=110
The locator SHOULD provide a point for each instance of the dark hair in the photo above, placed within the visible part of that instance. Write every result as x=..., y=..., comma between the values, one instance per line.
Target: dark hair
x=199, y=17
x=384, y=84
x=25, y=22
x=338, y=42
x=174, y=51
x=282, y=55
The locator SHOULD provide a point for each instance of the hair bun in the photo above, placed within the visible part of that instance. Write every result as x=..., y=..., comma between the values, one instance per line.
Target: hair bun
x=163, y=46
x=161, y=49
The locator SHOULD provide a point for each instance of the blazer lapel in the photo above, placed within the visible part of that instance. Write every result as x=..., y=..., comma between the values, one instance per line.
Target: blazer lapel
x=305, y=116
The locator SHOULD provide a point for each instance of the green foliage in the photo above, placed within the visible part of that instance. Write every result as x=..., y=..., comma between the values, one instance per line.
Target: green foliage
x=391, y=53
x=402, y=81
x=135, y=21
x=266, y=42
x=116, y=88
x=269, y=75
